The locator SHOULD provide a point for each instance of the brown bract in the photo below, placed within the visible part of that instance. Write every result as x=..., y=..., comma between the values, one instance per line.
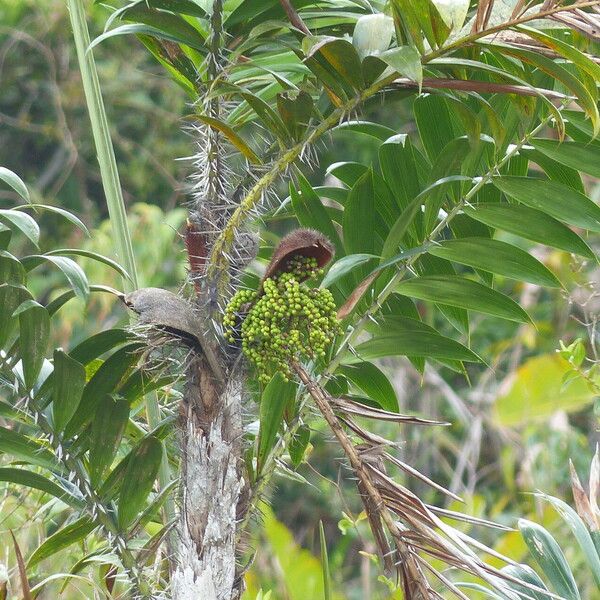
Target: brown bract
x=300, y=242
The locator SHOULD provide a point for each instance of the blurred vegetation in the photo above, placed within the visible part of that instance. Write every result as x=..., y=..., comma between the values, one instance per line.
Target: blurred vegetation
x=515, y=426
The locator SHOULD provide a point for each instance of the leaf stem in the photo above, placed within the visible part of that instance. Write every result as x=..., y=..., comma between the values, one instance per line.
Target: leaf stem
x=372, y=499
x=218, y=261
x=104, y=147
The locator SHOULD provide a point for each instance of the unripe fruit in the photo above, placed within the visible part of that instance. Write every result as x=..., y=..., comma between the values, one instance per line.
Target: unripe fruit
x=289, y=321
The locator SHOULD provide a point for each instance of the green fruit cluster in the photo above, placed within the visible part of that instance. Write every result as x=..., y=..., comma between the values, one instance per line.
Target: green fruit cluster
x=289, y=321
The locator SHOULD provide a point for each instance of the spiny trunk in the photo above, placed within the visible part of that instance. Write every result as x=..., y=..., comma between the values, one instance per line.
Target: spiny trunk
x=213, y=488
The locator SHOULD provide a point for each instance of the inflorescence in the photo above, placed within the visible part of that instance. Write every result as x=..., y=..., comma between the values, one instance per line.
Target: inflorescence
x=289, y=321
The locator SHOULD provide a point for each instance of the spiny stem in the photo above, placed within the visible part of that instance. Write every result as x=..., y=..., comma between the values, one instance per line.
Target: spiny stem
x=214, y=69
x=218, y=262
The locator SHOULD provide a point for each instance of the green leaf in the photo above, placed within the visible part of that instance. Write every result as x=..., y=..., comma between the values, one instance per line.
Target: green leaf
x=325, y=564
x=583, y=62
x=406, y=19
x=359, y=216
x=16, y=219
x=433, y=24
x=399, y=229
x=5, y=235
x=375, y=130
x=579, y=156
x=63, y=538
x=530, y=224
x=268, y=116
x=547, y=553
x=38, y=482
x=275, y=397
x=11, y=269
x=434, y=122
x=142, y=468
x=298, y=444
x=403, y=336
x=99, y=343
x=342, y=57
x=527, y=575
x=408, y=215
x=71, y=270
x=580, y=532
x=34, y=334
x=20, y=447
x=569, y=51
x=406, y=61
x=142, y=382
x=454, y=63
x=9, y=412
x=536, y=392
x=104, y=381
x=194, y=41
x=423, y=17
x=295, y=110
x=94, y=256
x=401, y=306
x=310, y=212
x=372, y=34
x=373, y=382
x=366, y=283
x=68, y=381
x=579, y=126
x=193, y=8
x=463, y=293
x=59, y=301
x=177, y=63
x=69, y=216
x=554, y=169
x=553, y=198
x=584, y=97
x=455, y=159
x=430, y=265
x=347, y=172
x=496, y=257
x=454, y=12
x=344, y=266
x=11, y=296
x=167, y=22
x=111, y=485
x=15, y=182
x=107, y=430
x=231, y=135
x=405, y=170
x=152, y=511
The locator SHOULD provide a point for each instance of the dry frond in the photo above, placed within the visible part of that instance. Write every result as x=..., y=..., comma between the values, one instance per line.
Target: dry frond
x=406, y=530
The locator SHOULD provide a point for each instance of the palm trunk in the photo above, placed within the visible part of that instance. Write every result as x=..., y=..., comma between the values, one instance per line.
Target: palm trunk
x=212, y=488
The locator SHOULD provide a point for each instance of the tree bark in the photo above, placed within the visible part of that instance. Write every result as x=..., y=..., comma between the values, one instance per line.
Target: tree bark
x=212, y=487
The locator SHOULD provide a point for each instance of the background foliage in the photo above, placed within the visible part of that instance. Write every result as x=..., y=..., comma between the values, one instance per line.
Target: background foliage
x=515, y=426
